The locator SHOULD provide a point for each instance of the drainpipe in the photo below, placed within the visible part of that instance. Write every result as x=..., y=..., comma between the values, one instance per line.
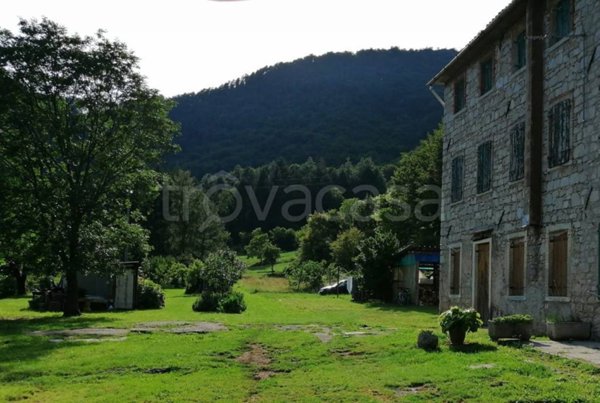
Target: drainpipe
x=535, y=97
x=435, y=94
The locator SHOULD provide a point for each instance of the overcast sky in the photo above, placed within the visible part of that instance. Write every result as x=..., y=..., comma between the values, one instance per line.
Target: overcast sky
x=185, y=46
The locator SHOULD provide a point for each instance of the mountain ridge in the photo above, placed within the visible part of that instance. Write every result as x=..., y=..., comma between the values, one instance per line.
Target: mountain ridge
x=338, y=106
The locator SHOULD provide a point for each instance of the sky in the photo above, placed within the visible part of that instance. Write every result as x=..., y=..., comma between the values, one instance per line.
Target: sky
x=189, y=45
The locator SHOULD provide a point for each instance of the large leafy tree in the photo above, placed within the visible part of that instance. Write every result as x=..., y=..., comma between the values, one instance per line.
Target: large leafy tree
x=80, y=131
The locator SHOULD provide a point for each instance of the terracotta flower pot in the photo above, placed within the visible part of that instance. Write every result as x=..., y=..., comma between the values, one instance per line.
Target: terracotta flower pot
x=457, y=336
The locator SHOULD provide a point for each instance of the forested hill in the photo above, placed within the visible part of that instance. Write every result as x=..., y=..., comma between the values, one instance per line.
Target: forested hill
x=373, y=103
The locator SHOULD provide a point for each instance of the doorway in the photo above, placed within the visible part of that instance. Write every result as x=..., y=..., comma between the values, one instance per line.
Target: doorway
x=482, y=278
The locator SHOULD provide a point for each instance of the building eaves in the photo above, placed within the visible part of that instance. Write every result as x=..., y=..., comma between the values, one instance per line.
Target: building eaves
x=482, y=43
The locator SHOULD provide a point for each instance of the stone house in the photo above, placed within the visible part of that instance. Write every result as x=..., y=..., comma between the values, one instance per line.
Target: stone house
x=520, y=228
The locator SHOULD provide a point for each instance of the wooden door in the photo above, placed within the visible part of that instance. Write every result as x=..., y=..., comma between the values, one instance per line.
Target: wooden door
x=482, y=280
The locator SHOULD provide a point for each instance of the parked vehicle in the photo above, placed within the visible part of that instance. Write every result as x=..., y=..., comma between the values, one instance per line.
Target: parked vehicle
x=337, y=288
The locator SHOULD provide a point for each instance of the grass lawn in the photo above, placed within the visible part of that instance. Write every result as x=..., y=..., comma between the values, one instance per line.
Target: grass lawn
x=284, y=358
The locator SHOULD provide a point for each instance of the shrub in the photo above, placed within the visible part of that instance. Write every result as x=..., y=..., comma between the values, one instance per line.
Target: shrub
x=232, y=303
x=467, y=320
x=165, y=270
x=194, y=282
x=207, y=302
x=284, y=238
x=427, y=340
x=513, y=319
x=306, y=275
x=221, y=271
x=149, y=295
x=8, y=286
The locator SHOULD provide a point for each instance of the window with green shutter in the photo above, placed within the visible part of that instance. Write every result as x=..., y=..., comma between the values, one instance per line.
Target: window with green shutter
x=520, y=51
x=487, y=75
x=457, y=179
x=562, y=20
x=484, y=167
x=460, y=95
x=517, y=152
x=559, y=128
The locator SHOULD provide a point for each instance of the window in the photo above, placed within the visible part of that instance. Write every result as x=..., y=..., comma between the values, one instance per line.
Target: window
x=457, y=179
x=558, y=258
x=484, y=167
x=455, y=271
x=562, y=20
x=559, y=127
x=460, y=95
x=516, y=268
x=520, y=52
x=487, y=75
x=517, y=152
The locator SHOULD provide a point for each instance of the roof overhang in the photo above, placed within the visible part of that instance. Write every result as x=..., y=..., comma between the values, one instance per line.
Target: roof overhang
x=494, y=32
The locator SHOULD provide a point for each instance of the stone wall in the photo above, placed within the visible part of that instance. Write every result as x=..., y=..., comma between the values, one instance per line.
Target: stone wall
x=571, y=198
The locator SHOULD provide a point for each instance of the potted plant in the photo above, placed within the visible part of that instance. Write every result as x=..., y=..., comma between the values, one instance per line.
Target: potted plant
x=567, y=329
x=511, y=326
x=457, y=322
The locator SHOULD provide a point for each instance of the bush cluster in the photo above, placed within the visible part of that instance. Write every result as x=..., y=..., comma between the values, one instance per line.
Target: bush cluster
x=306, y=275
x=513, y=319
x=149, y=295
x=230, y=302
x=166, y=271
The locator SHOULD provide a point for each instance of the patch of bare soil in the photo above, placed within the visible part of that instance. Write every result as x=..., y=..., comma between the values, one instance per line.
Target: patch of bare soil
x=347, y=353
x=414, y=389
x=262, y=375
x=179, y=327
x=200, y=327
x=257, y=356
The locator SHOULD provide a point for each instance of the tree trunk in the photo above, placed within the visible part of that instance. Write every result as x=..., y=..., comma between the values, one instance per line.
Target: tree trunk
x=21, y=281
x=71, y=307
x=20, y=277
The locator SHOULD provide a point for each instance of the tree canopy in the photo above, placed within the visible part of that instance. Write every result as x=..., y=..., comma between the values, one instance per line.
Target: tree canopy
x=81, y=134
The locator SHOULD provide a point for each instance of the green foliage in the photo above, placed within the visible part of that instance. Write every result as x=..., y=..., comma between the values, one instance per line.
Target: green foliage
x=83, y=132
x=8, y=286
x=194, y=282
x=467, y=320
x=344, y=249
x=414, y=194
x=149, y=295
x=331, y=107
x=306, y=275
x=264, y=188
x=270, y=254
x=377, y=257
x=284, y=238
x=165, y=271
x=193, y=229
x=208, y=301
x=257, y=244
x=232, y=303
x=321, y=230
x=222, y=269
x=513, y=319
